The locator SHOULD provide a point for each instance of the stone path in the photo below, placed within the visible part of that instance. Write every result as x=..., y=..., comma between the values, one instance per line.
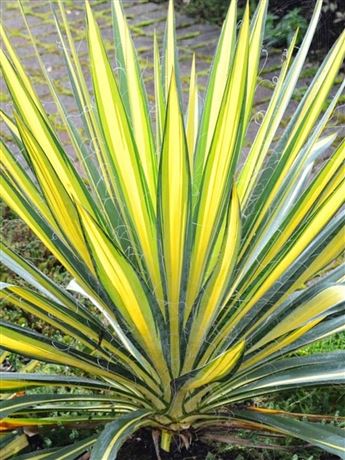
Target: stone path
x=144, y=16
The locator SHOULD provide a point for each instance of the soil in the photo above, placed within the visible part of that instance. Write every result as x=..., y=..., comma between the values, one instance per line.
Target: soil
x=141, y=447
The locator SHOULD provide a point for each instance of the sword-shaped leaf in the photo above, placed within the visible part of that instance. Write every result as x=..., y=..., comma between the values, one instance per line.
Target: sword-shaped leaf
x=174, y=213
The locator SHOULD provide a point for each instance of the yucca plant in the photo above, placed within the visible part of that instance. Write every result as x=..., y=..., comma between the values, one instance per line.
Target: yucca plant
x=190, y=274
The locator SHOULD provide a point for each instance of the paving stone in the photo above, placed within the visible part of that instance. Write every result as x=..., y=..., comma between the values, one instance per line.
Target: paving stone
x=136, y=10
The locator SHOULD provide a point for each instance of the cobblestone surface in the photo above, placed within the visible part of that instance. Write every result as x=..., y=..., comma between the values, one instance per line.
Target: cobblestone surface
x=144, y=17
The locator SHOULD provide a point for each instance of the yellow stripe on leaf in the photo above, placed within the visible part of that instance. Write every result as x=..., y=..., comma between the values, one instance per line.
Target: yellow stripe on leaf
x=159, y=94
x=217, y=85
x=9, y=123
x=218, y=368
x=256, y=156
x=22, y=208
x=255, y=50
x=220, y=162
x=316, y=224
x=41, y=131
x=174, y=212
x=133, y=196
x=22, y=75
x=137, y=102
x=170, y=64
x=44, y=309
x=329, y=178
x=18, y=175
x=303, y=125
x=216, y=287
x=280, y=344
x=54, y=192
x=331, y=251
x=16, y=342
x=193, y=114
x=306, y=312
x=125, y=288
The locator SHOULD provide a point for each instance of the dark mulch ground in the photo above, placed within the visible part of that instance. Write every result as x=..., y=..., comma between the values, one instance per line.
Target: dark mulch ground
x=141, y=447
